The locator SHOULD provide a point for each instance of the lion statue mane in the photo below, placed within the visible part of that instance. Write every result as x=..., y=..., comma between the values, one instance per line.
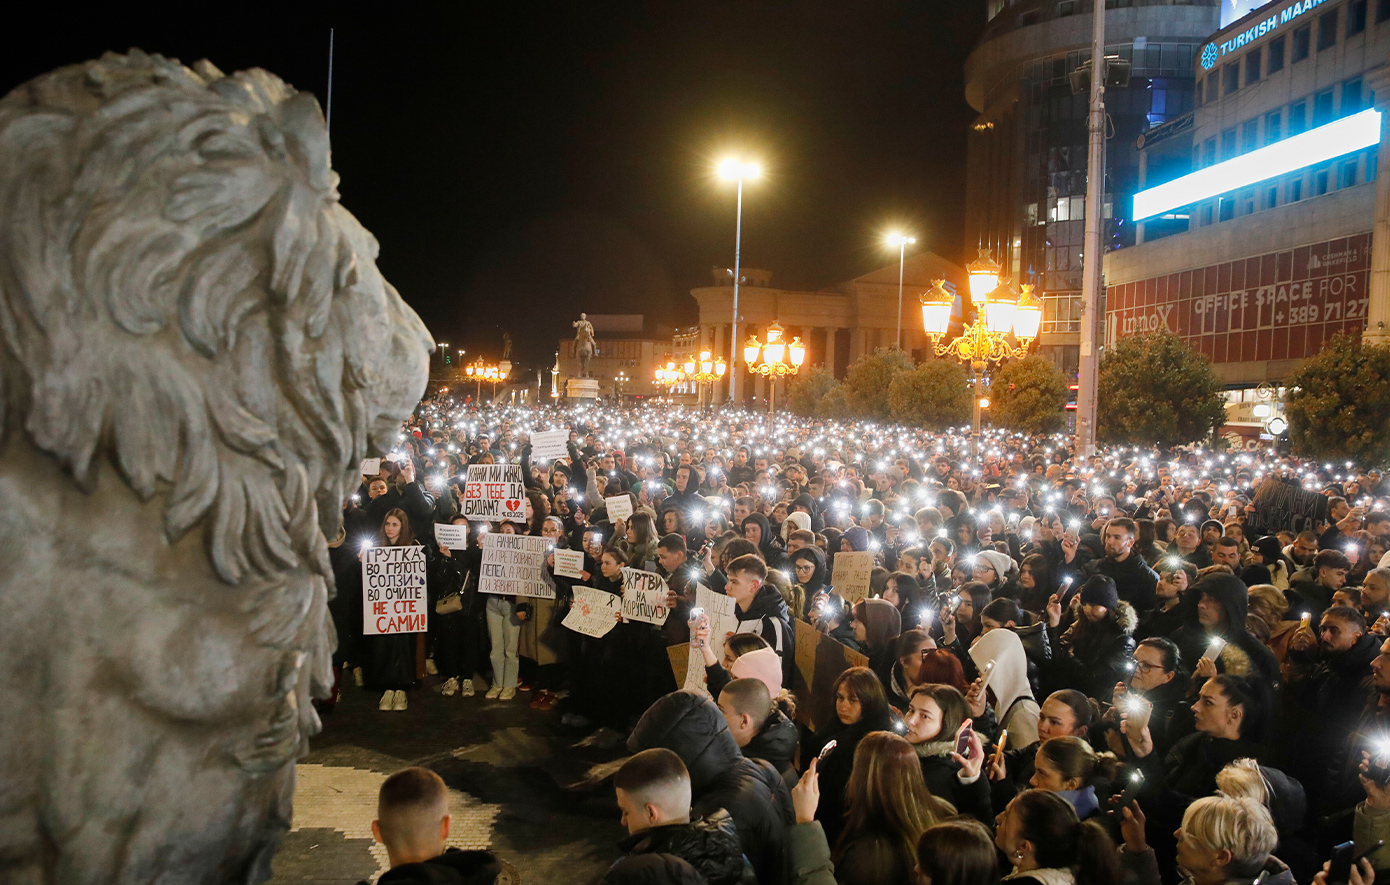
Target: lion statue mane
x=196, y=349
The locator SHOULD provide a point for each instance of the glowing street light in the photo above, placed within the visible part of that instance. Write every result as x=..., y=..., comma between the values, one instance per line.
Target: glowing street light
x=901, y=241
x=772, y=365
x=733, y=169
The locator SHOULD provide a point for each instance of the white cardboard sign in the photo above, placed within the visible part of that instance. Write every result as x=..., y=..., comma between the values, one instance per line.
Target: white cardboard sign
x=550, y=445
x=494, y=492
x=393, y=591
x=644, y=597
x=851, y=574
x=370, y=467
x=569, y=563
x=722, y=619
x=454, y=537
x=514, y=565
x=619, y=507
x=593, y=612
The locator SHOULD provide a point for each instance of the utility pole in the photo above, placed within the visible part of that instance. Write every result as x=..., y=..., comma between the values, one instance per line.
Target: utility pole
x=1093, y=257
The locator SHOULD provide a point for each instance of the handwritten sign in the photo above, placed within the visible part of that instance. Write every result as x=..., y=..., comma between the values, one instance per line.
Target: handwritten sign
x=644, y=597
x=453, y=537
x=393, y=591
x=819, y=662
x=569, y=563
x=618, y=508
x=719, y=609
x=514, y=565
x=550, y=445
x=594, y=612
x=370, y=467
x=851, y=574
x=1280, y=504
x=494, y=492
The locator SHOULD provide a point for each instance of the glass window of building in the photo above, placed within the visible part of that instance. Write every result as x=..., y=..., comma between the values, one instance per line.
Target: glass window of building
x=1300, y=43
x=1247, y=202
x=1297, y=117
x=1250, y=135
x=1295, y=188
x=1347, y=177
x=1321, y=182
x=1327, y=29
x=1271, y=196
x=1322, y=108
x=1356, y=17
x=1253, y=61
x=1231, y=75
x=1228, y=144
x=1382, y=11
x=1212, y=80
x=1276, y=53
x=1226, y=209
x=1351, y=96
x=1209, y=152
x=1272, y=126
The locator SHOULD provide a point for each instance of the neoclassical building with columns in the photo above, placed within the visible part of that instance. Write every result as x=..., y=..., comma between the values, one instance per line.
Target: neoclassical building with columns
x=837, y=324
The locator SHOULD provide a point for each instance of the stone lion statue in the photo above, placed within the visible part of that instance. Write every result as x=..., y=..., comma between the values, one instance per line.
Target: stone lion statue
x=196, y=349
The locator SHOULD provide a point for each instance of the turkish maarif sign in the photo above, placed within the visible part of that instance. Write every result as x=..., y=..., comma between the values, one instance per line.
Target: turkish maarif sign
x=549, y=445
x=494, y=492
x=514, y=565
x=393, y=591
x=593, y=612
x=644, y=597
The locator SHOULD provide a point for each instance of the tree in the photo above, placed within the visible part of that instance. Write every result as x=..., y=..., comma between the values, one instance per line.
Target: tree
x=868, y=380
x=1029, y=395
x=935, y=395
x=807, y=388
x=1339, y=404
x=1155, y=389
x=833, y=405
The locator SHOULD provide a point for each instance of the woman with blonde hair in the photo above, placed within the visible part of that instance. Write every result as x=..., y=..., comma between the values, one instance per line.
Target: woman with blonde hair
x=1268, y=603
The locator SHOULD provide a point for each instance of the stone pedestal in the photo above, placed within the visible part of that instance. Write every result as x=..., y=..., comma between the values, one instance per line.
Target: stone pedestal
x=581, y=388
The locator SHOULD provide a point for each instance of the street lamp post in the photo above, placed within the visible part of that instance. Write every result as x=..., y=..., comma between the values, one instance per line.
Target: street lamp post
x=766, y=359
x=999, y=311
x=901, y=242
x=737, y=170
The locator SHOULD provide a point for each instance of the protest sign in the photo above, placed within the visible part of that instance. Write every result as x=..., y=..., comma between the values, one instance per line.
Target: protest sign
x=370, y=467
x=680, y=656
x=593, y=612
x=569, y=563
x=644, y=597
x=819, y=662
x=454, y=537
x=515, y=565
x=719, y=609
x=549, y=445
x=494, y=492
x=393, y=591
x=1284, y=504
x=619, y=507
x=851, y=574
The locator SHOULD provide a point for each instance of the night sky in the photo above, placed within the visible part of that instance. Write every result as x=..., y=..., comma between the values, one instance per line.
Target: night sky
x=526, y=163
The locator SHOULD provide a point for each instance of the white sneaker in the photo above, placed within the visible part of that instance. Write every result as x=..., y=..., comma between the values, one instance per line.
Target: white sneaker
x=466, y=688
x=430, y=668
x=494, y=692
x=386, y=700
x=507, y=694
x=450, y=687
x=398, y=702
x=357, y=676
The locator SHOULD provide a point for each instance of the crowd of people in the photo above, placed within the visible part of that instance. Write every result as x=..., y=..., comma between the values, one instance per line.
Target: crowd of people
x=1079, y=670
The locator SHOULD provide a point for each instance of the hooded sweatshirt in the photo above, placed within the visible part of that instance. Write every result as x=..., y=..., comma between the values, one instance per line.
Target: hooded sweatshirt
x=691, y=726
x=817, y=582
x=772, y=554
x=767, y=616
x=1014, y=705
x=1244, y=655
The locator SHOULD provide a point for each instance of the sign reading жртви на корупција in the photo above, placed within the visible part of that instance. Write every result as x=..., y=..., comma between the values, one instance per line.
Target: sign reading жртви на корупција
x=1213, y=52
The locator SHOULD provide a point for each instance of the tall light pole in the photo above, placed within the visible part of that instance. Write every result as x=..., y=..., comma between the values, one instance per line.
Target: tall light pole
x=1088, y=374
x=901, y=242
x=737, y=170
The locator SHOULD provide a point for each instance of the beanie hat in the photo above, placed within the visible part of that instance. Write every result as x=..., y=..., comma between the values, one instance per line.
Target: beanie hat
x=858, y=538
x=761, y=664
x=999, y=561
x=1100, y=590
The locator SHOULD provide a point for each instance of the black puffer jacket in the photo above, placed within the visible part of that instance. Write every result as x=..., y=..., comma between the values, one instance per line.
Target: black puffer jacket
x=652, y=869
x=768, y=617
x=775, y=743
x=453, y=867
x=709, y=844
x=691, y=726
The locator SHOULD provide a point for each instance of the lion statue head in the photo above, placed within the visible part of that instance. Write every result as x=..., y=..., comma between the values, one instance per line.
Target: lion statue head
x=196, y=350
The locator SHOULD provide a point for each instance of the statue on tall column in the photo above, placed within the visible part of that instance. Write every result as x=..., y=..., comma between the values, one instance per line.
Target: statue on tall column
x=584, y=346
x=506, y=346
x=196, y=351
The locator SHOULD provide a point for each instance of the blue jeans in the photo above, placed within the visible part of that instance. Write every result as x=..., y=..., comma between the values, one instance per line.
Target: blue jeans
x=505, y=631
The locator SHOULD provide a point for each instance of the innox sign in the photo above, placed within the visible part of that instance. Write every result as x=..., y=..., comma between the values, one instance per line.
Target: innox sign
x=1214, y=51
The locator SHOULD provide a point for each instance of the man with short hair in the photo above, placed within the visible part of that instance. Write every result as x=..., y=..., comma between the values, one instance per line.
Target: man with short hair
x=1190, y=546
x=1375, y=594
x=1134, y=580
x=743, y=508
x=412, y=821
x=760, y=609
x=653, y=791
x=1311, y=588
x=1227, y=552
x=1302, y=550
x=761, y=730
x=682, y=577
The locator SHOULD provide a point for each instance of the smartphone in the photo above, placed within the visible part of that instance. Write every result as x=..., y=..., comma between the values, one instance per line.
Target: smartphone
x=963, y=741
x=1213, y=651
x=989, y=671
x=1131, y=792
x=826, y=750
x=1003, y=742
x=1339, y=869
